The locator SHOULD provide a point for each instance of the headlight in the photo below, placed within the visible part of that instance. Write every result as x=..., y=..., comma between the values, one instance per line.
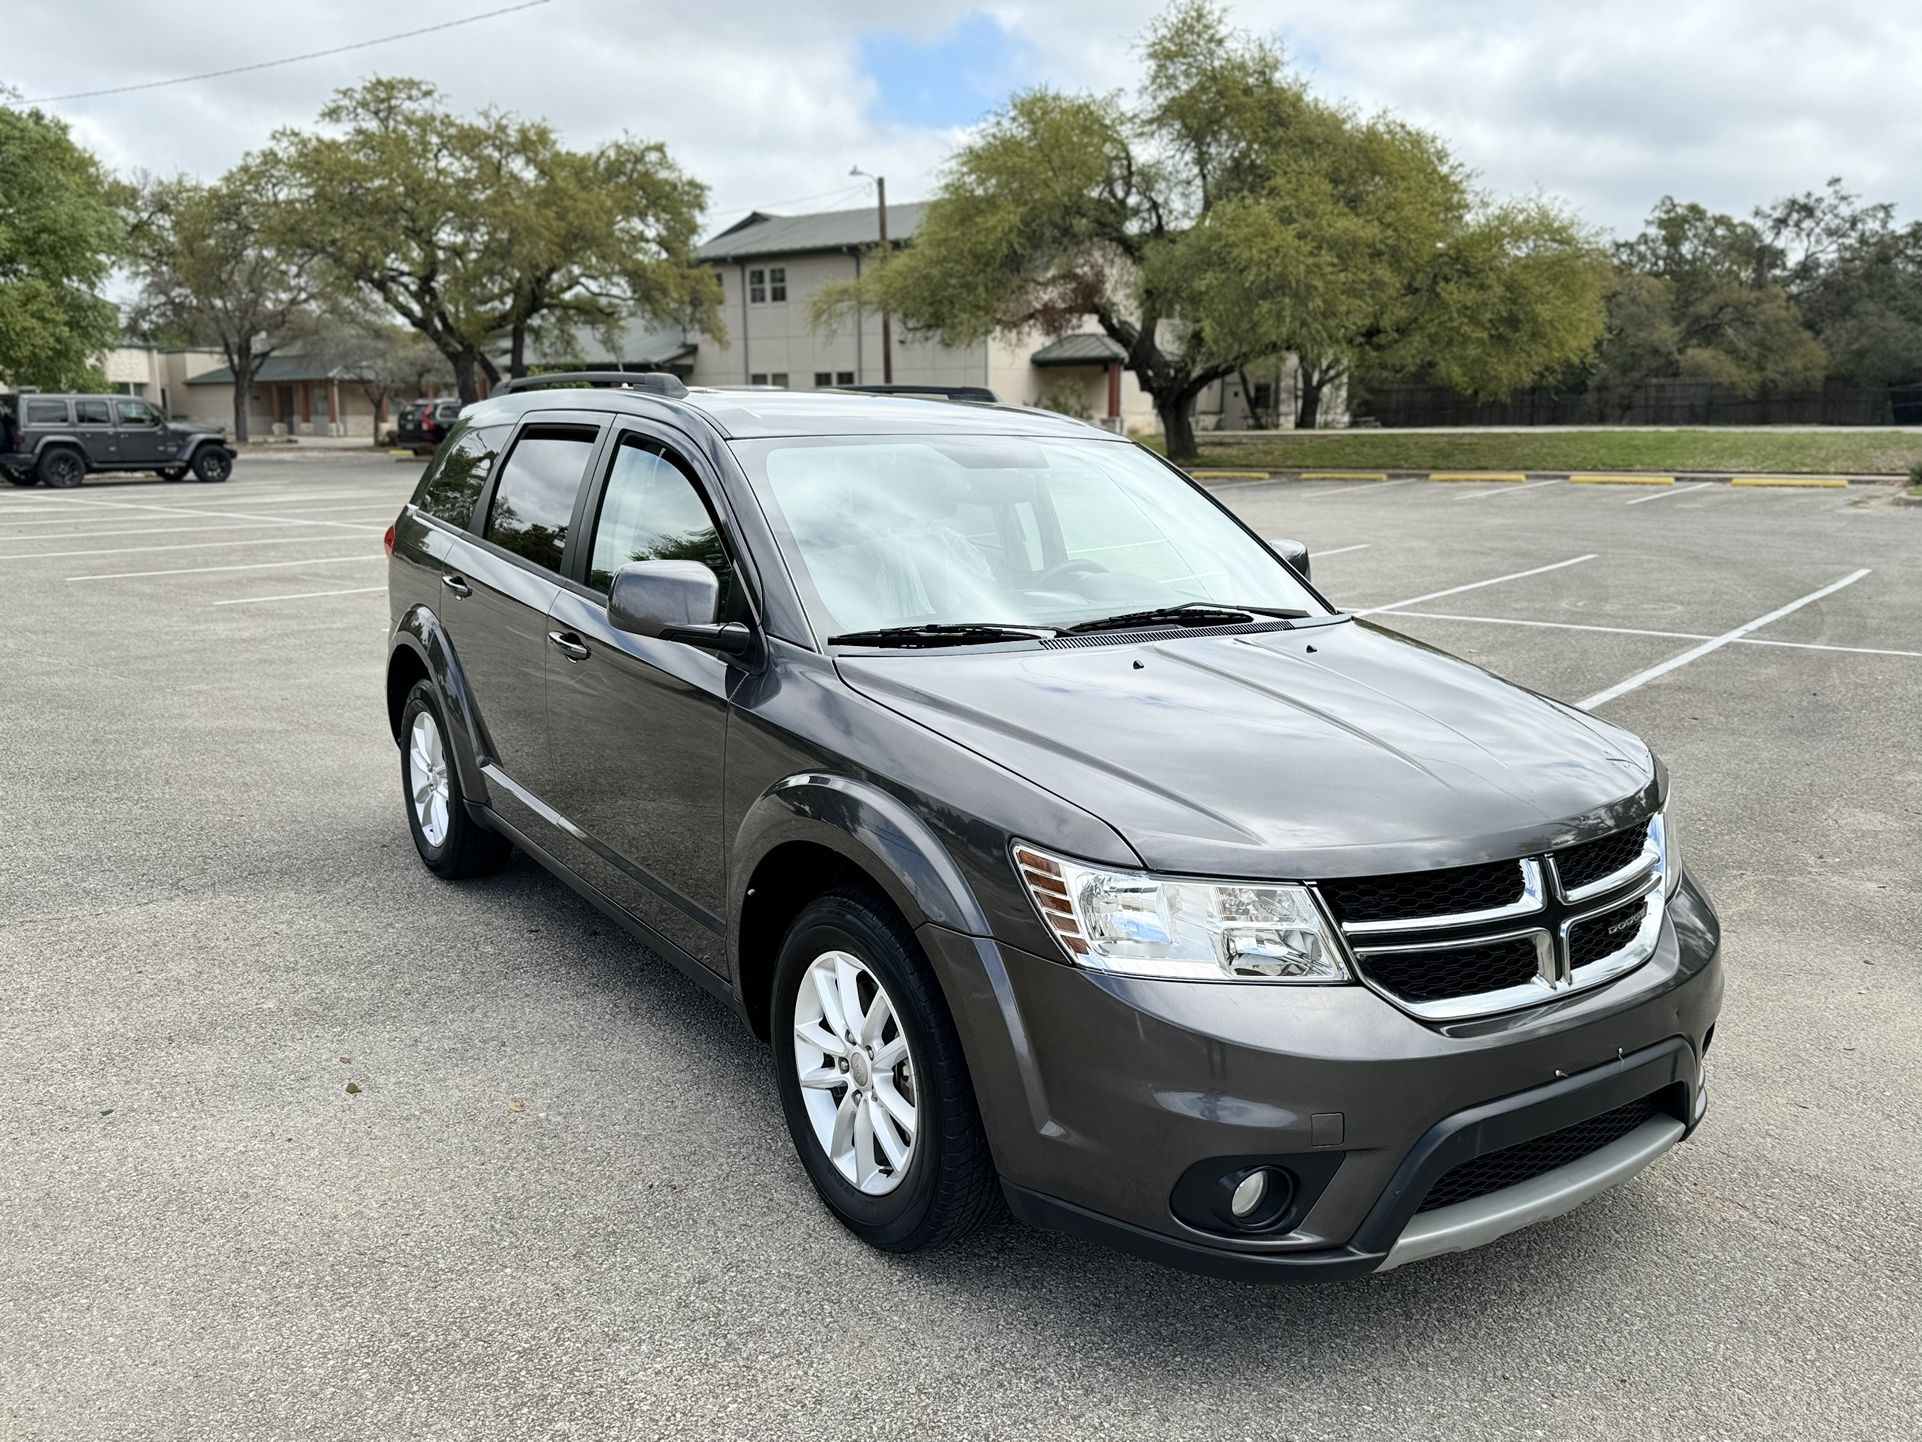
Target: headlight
x=1663, y=832
x=1142, y=925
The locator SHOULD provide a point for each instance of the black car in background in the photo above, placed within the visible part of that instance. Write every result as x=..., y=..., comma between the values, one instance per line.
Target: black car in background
x=423, y=425
x=55, y=440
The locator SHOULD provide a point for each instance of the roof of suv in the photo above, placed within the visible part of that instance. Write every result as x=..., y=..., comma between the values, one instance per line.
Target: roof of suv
x=739, y=414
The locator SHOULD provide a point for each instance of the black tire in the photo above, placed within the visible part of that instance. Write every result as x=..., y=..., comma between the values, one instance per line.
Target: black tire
x=172, y=473
x=948, y=1186
x=468, y=848
x=61, y=467
x=23, y=478
x=213, y=463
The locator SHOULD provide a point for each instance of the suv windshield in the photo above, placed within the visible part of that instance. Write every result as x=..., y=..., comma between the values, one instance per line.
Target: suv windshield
x=891, y=531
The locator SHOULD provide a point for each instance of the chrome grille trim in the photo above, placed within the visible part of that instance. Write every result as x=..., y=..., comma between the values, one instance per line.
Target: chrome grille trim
x=1642, y=865
x=1529, y=903
x=1484, y=1003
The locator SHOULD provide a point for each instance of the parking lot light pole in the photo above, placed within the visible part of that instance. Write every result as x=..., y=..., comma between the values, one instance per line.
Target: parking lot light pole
x=887, y=323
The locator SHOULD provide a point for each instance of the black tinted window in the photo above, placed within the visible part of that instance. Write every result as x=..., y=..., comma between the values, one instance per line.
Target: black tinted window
x=651, y=511
x=46, y=413
x=90, y=413
x=534, y=499
x=453, y=482
x=136, y=413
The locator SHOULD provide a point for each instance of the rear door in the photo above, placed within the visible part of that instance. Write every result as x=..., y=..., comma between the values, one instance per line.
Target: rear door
x=93, y=423
x=637, y=727
x=500, y=582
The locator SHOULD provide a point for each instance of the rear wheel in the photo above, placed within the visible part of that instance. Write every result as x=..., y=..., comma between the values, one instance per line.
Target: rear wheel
x=872, y=1079
x=213, y=463
x=450, y=842
x=61, y=467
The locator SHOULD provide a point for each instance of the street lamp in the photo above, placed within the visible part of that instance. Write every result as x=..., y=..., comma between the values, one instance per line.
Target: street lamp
x=887, y=324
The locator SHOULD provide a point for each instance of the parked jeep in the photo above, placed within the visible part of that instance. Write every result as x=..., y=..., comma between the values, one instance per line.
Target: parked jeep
x=56, y=440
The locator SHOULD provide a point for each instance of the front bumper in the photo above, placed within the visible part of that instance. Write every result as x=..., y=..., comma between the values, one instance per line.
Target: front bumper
x=1100, y=1093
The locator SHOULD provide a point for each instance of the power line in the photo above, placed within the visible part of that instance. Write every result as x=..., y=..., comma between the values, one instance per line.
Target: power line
x=839, y=193
x=288, y=60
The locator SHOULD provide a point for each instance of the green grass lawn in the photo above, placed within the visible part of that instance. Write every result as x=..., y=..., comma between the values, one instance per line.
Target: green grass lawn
x=1759, y=452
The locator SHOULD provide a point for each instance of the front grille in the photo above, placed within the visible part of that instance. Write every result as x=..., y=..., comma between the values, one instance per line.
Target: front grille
x=1420, y=894
x=1602, y=936
x=1444, y=973
x=1492, y=1171
x=1592, y=860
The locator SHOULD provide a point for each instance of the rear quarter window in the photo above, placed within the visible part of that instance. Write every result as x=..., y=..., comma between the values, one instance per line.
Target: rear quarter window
x=46, y=413
x=456, y=476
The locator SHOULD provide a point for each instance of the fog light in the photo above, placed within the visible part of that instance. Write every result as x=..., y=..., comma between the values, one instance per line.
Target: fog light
x=1250, y=1194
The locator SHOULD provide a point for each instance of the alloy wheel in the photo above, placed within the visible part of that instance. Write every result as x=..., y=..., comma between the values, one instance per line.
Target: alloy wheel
x=427, y=778
x=856, y=1072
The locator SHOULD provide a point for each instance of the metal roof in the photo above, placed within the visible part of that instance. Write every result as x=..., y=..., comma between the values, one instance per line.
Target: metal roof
x=759, y=234
x=276, y=368
x=1085, y=348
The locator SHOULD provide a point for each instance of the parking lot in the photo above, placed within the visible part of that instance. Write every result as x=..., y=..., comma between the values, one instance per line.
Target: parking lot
x=299, y=1141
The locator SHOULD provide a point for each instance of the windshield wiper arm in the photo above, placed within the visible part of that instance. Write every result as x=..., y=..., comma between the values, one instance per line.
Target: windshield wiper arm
x=941, y=633
x=1190, y=613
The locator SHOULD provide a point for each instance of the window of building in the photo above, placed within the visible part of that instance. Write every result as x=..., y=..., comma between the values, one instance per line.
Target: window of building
x=844, y=378
x=777, y=283
x=136, y=413
x=46, y=413
x=453, y=484
x=651, y=511
x=534, y=500
x=91, y=413
x=757, y=287
x=758, y=378
x=823, y=379
x=779, y=378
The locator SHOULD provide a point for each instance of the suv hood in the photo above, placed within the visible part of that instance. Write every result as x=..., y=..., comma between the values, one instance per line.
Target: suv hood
x=1325, y=751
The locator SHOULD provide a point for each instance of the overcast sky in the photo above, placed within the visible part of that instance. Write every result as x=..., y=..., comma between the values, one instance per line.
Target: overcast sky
x=1605, y=105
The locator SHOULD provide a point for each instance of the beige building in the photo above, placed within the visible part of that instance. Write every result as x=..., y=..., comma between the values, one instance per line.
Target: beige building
x=295, y=396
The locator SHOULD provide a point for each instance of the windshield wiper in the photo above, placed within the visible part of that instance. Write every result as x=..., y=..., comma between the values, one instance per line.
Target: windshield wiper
x=1190, y=613
x=941, y=633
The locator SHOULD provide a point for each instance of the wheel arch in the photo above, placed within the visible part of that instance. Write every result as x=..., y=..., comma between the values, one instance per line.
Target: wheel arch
x=812, y=832
x=423, y=651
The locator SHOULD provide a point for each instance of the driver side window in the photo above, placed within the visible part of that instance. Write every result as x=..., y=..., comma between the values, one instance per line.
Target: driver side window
x=651, y=511
x=135, y=413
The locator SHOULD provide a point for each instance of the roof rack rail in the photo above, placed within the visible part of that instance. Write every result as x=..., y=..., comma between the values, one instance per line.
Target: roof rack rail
x=659, y=383
x=946, y=393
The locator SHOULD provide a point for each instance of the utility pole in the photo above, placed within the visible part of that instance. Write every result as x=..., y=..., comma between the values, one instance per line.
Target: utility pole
x=887, y=321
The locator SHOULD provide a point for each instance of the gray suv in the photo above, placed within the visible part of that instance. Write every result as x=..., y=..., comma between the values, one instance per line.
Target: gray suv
x=1067, y=846
x=55, y=440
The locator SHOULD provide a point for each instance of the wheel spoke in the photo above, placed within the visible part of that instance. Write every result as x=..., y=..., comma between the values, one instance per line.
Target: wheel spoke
x=842, y=1137
x=831, y=1015
x=898, y=1107
x=820, y=1038
x=864, y=1164
x=879, y=1014
x=823, y=1078
x=891, y=1054
x=847, y=974
x=422, y=790
x=887, y=1132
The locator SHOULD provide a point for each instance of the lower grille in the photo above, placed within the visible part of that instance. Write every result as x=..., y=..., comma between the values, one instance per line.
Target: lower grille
x=1602, y=936
x=1493, y=1171
x=1419, y=976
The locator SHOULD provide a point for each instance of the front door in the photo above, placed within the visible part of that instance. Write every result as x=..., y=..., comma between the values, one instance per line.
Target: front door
x=497, y=591
x=143, y=441
x=637, y=726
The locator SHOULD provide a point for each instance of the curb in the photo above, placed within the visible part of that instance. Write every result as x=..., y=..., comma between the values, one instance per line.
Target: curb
x=1614, y=479
x=1487, y=478
x=1824, y=483
x=1344, y=475
x=1230, y=475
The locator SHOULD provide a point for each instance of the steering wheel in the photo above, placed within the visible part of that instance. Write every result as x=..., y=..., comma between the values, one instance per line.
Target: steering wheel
x=1060, y=570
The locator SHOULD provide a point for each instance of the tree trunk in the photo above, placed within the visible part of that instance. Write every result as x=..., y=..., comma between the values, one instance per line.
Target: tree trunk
x=517, y=351
x=1308, y=409
x=243, y=367
x=467, y=375
x=1178, y=425
x=1248, y=400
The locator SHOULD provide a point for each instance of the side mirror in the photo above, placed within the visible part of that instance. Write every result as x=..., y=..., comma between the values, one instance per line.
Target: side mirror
x=1295, y=553
x=674, y=601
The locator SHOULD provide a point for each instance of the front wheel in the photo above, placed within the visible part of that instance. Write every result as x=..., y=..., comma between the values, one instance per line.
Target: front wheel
x=212, y=463
x=872, y=1079
x=451, y=843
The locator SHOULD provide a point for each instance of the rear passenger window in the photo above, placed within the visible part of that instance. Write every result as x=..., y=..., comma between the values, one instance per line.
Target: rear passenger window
x=46, y=413
x=90, y=413
x=453, y=483
x=651, y=511
x=534, y=498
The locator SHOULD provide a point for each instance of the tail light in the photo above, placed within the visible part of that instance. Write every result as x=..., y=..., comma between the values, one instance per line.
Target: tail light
x=388, y=540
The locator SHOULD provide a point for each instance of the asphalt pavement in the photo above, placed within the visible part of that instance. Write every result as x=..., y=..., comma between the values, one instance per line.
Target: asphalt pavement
x=299, y=1141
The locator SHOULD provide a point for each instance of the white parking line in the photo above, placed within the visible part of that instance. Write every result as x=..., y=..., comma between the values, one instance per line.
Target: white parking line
x=1664, y=635
x=213, y=515
x=299, y=596
x=1475, y=585
x=1665, y=494
x=1323, y=555
x=1510, y=490
x=304, y=540
x=256, y=566
x=185, y=528
x=1354, y=488
x=1695, y=653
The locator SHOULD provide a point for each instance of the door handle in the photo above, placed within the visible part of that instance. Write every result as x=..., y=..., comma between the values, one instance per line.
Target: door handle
x=457, y=585
x=569, y=644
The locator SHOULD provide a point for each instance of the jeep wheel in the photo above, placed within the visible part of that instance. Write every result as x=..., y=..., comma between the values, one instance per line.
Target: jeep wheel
x=171, y=473
x=872, y=1080
x=61, y=467
x=213, y=463
x=450, y=842
x=23, y=478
